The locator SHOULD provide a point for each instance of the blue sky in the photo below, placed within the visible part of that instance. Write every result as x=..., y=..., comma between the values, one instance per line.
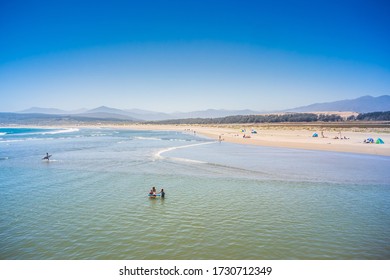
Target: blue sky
x=191, y=55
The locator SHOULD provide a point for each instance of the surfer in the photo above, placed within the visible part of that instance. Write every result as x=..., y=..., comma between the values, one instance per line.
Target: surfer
x=47, y=157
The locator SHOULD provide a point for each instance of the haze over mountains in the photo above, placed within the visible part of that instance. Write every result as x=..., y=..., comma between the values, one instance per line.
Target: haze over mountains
x=360, y=105
x=138, y=114
x=364, y=104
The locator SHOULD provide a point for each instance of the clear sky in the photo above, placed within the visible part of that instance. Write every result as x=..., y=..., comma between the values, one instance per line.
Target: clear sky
x=189, y=55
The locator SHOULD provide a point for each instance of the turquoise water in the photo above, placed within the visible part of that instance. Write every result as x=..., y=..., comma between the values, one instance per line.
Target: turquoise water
x=223, y=201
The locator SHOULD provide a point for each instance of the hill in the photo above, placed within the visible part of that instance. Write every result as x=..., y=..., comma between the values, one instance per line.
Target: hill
x=51, y=111
x=362, y=104
x=51, y=119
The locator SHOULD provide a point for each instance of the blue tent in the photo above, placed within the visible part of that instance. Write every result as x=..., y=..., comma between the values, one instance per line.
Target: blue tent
x=379, y=141
x=315, y=134
x=369, y=140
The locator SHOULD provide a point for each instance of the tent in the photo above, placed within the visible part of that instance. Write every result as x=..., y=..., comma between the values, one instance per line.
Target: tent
x=369, y=140
x=253, y=131
x=315, y=134
x=379, y=141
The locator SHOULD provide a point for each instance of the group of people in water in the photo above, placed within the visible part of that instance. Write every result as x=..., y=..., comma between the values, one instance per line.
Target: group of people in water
x=153, y=193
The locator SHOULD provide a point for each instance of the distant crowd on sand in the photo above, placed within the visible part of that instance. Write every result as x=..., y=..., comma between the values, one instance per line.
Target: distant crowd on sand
x=315, y=134
x=369, y=140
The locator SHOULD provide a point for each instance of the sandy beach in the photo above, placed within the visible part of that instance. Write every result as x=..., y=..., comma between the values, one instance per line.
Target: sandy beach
x=295, y=136
x=349, y=140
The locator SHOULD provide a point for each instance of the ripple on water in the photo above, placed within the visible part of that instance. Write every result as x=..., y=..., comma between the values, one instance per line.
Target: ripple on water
x=92, y=203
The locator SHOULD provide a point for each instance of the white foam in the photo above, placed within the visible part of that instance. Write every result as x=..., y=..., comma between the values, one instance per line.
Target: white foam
x=188, y=160
x=11, y=141
x=67, y=130
x=158, y=155
x=25, y=139
x=3, y=133
x=147, y=138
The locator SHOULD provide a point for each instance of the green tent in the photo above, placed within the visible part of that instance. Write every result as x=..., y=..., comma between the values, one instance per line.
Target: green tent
x=379, y=141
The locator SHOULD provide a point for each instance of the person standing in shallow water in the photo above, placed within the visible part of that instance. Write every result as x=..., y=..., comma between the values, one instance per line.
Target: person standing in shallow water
x=153, y=191
x=47, y=157
x=162, y=193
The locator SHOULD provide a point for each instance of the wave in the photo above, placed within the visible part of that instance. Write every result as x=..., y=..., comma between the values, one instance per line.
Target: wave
x=188, y=160
x=26, y=139
x=158, y=155
x=16, y=132
x=51, y=160
x=67, y=130
x=12, y=141
x=147, y=138
x=180, y=140
x=161, y=139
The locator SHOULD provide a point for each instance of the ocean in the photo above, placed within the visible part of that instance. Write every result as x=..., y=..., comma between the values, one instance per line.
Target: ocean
x=223, y=200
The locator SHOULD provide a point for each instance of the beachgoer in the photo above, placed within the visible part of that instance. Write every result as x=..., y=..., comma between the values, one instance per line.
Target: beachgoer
x=162, y=193
x=47, y=156
x=153, y=191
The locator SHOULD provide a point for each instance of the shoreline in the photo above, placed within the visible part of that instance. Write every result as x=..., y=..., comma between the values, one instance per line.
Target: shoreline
x=296, y=137
x=292, y=136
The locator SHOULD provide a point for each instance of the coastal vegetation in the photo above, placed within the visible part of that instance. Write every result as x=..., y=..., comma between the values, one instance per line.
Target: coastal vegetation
x=375, y=116
x=293, y=118
x=282, y=118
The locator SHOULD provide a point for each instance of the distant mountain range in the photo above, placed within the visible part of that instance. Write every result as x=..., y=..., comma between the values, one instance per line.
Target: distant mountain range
x=104, y=112
x=364, y=104
x=51, y=111
x=361, y=105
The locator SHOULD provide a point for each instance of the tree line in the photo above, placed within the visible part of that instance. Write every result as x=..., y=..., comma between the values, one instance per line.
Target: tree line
x=374, y=116
x=292, y=117
x=281, y=118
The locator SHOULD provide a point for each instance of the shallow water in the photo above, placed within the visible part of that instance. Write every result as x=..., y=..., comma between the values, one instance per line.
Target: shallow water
x=223, y=201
